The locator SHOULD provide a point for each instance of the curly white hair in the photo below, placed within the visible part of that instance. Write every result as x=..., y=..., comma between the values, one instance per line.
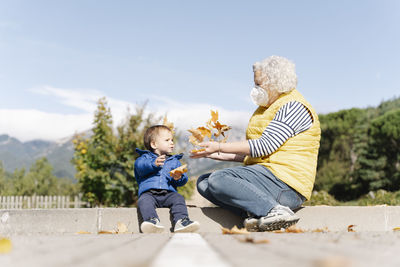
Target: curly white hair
x=277, y=74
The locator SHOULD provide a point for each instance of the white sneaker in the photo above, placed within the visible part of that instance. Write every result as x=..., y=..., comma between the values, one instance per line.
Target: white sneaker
x=185, y=225
x=279, y=217
x=152, y=226
x=251, y=224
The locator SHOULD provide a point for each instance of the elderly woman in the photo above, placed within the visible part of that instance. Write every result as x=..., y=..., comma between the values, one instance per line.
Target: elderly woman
x=279, y=153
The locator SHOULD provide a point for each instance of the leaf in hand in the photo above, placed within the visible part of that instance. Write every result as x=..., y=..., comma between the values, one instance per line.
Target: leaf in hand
x=178, y=171
x=194, y=151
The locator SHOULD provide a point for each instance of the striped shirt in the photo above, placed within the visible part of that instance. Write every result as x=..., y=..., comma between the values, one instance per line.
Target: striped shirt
x=290, y=120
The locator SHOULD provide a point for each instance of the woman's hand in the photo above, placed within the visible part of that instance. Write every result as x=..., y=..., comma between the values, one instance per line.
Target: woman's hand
x=208, y=149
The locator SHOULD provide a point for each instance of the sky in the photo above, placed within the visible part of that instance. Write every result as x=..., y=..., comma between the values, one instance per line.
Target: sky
x=57, y=58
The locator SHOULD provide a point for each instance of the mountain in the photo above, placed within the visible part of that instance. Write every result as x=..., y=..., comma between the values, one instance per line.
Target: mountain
x=16, y=154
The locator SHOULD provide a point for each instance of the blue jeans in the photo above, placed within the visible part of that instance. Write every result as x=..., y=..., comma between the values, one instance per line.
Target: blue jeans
x=244, y=190
x=148, y=202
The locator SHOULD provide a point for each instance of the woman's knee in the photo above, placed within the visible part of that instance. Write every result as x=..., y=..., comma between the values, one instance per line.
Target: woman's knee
x=202, y=183
x=216, y=182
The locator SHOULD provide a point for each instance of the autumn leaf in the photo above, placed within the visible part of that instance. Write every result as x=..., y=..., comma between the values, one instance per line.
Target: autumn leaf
x=194, y=151
x=193, y=140
x=121, y=228
x=204, y=132
x=5, y=245
x=214, y=116
x=221, y=128
x=197, y=135
x=350, y=228
x=293, y=229
x=321, y=230
x=104, y=232
x=234, y=231
x=178, y=171
x=249, y=239
x=396, y=229
x=83, y=232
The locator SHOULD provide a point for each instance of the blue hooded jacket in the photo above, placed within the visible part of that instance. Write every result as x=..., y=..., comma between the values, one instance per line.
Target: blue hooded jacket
x=149, y=176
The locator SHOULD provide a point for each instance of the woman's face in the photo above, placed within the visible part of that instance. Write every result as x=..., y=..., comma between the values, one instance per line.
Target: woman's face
x=258, y=80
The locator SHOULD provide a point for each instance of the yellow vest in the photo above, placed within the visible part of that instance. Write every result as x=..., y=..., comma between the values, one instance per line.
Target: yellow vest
x=295, y=162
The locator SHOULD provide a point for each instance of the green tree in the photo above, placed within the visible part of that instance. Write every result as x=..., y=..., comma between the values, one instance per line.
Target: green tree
x=94, y=158
x=379, y=165
x=39, y=180
x=105, y=161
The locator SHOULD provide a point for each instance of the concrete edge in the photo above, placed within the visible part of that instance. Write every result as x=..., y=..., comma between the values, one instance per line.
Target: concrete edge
x=332, y=218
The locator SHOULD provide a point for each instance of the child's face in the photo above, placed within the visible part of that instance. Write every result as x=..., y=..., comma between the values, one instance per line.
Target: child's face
x=163, y=143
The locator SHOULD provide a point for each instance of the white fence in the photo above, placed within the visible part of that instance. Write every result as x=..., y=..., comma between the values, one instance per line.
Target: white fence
x=41, y=202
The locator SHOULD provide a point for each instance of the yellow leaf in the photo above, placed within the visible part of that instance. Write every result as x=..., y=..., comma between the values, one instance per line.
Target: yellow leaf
x=180, y=170
x=83, y=232
x=121, y=228
x=234, y=231
x=103, y=232
x=214, y=115
x=350, y=228
x=204, y=132
x=5, y=245
x=197, y=134
x=396, y=229
x=194, y=151
x=293, y=229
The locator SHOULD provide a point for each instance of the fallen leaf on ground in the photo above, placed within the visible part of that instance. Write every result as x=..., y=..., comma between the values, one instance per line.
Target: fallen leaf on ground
x=249, y=239
x=121, y=228
x=396, y=229
x=180, y=170
x=320, y=230
x=291, y=229
x=350, y=228
x=234, y=231
x=103, y=232
x=5, y=245
x=83, y=232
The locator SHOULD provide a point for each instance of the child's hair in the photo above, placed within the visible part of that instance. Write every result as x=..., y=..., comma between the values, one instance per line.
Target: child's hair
x=151, y=134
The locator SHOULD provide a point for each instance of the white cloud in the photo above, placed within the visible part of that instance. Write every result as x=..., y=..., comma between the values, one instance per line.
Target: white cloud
x=34, y=124
x=31, y=124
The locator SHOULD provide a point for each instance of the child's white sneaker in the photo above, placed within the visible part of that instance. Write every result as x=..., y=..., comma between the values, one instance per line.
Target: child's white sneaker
x=185, y=225
x=279, y=217
x=152, y=226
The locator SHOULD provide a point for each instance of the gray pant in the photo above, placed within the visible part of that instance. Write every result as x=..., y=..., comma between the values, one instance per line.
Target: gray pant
x=247, y=190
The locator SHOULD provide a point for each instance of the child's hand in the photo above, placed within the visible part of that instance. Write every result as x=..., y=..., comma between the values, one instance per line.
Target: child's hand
x=176, y=175
x=160, y=161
